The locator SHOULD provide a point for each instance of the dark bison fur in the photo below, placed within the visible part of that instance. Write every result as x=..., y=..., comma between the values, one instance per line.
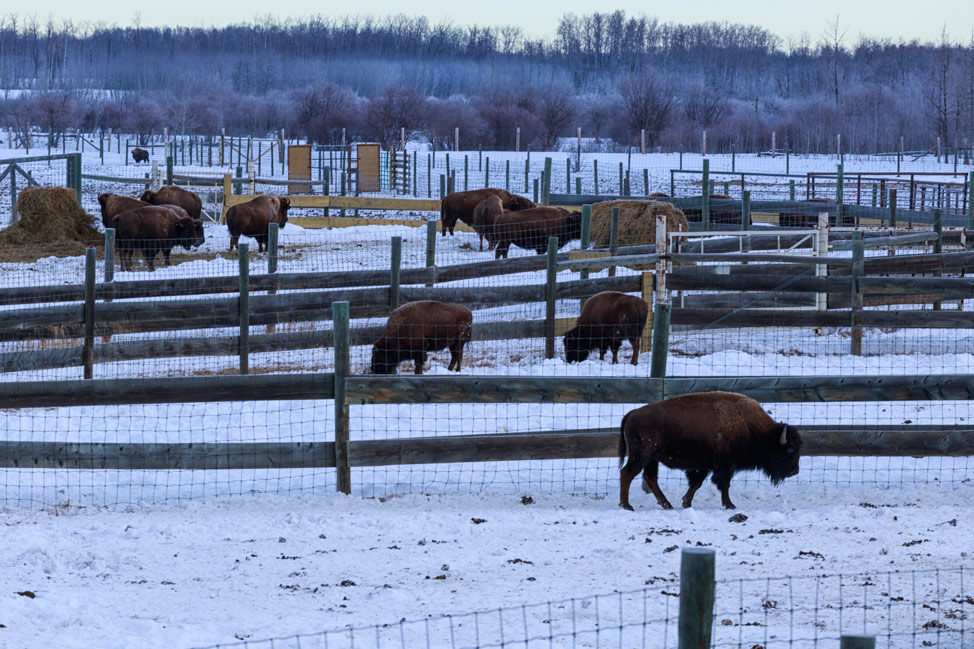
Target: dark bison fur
x=253, y=217
x=152, y=229
x=140, y=155
x=460, y=205
x=114, y=204
x=417, y=328
x=722, y=432
x=530, y=229
x=606, y=320
x=483, y=219
x=173, y=195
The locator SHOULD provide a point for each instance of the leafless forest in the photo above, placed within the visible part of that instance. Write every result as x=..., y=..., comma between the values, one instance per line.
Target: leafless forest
x=610, y=74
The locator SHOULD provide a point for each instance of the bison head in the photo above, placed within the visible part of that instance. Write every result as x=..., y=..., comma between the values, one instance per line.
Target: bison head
x=575, y=350
x=148, y=196
x=519, y=203
x=282, y=213
x=384, y=361
x=185, y=232
x=783, y=453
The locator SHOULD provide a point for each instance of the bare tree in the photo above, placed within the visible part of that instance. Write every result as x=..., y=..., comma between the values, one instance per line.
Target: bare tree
x=323, y=111
x=832, y=39
x=647, y=102
x=555, y=113
x=938, y=91
x=704, y=106
x=393, y=110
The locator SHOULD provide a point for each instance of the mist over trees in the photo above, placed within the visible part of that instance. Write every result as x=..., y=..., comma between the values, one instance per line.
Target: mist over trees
x=610, y=74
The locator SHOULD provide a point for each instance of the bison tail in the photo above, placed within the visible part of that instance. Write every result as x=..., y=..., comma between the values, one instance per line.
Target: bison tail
x=622, y=440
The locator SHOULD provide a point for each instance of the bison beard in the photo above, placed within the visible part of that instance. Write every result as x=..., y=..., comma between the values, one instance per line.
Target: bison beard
x=722, y=432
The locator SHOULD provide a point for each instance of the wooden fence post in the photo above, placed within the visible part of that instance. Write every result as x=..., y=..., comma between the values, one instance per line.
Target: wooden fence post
x=857, y=642
x=613, y=238
x=697, y=585
x=466, y=172
x=394, y=275
x=791, y=190
x=551, y=282
x=645, y=182
x=839, y=191
x=938, y=246
x=88, y=351
x=746, y=209
x=661, y=310
x=705, y=196
x=339, y=314
x=892, y=208
x=273, y=230
x=546, y=182
x=430, y=245
x=535, y=196
x=169, y=163
x=970, y=210
x=646, y=288
x=487, y=173
x=109, y=254
x=858, y=253
x=595, y=174
x=243, y=306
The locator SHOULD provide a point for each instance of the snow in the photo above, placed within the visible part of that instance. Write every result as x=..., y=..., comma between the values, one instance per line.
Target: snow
x=196, y=558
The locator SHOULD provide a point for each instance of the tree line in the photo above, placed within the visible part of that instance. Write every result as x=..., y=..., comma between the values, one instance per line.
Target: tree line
x=615, y=76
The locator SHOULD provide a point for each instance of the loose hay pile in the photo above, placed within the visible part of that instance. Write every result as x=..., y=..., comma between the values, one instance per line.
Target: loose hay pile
x=637, y=221
x=52, y=222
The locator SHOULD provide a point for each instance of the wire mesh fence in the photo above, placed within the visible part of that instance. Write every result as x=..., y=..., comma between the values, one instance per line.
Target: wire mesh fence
x=926, y=608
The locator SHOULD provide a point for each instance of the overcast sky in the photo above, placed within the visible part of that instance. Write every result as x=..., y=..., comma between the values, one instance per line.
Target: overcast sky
x=895, y=19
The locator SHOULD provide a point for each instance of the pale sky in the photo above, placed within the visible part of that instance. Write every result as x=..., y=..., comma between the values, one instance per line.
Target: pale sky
x=895, y=19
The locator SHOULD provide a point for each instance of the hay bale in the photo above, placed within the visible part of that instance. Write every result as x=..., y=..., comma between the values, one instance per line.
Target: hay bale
x=52, y=222
x=637, y=221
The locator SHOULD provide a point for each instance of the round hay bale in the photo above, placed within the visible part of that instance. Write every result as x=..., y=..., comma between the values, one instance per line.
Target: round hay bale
x=637, y=221
x=51, y=222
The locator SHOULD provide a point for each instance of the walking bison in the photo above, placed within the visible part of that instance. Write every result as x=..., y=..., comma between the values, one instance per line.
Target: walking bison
x=606, y=320
x=253, y=217
x=531, y=228
x=722, y=432
x=417, y=328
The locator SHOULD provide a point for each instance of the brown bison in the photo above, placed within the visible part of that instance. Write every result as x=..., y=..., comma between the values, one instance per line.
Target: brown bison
x=531, y=228
x=173, y=195
x=460, y=205
x=483, y=219
x=606, y=320
x=140, y=155
x=721, y=432
x=253, y=217
x=114, y=204
x=417, y=328
x=153, y=229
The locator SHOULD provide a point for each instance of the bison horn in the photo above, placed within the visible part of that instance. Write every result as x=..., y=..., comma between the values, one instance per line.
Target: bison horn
x=784, y=435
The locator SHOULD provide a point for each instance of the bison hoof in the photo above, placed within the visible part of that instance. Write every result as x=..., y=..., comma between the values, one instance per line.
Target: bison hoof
x=687, y=504
x=665, y=504
x=729, y=506
x=627, y=506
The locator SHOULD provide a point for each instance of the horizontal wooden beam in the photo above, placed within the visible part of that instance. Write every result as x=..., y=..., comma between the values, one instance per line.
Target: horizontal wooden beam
x=347, y=202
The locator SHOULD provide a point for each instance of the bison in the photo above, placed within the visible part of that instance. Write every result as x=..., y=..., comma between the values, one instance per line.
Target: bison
x=531, y=228
x=721, y=432
x=114, y=204
x=140, y=155
x=606, y=320
x=173, y=195
x=417, y=328
x=460, y=205
x=153, y=229
x=253, y=217
x=483, y=219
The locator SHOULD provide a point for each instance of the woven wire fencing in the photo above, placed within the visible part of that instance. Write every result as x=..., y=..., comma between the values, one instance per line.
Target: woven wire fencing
x=901, y=609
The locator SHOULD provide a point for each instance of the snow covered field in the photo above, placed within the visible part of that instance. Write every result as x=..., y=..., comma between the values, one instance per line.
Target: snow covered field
x=192, y=558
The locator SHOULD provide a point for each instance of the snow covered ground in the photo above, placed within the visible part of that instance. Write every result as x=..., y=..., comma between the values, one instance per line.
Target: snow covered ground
x=193, y=558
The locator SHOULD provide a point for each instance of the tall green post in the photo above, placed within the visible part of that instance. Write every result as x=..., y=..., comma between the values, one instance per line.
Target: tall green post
x=551, y=282
x=697, y=586
x=892, y=210
x=430, y=245
x=109, y=254
x=613, y=237
x=661, y=340
x=243, y=305
x=705, y=197
x=466, y=172
x=396, y=269
x=546, y=182
x=857, y=642
x=858, y=261
x=595, y=174
x=169, y=164
x=839, y=193
x=970, y=210
x=88, y=350
x=339, y=319
x=746, y=209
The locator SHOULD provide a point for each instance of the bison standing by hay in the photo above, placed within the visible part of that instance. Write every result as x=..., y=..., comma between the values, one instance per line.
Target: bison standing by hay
x=114, y=204
x=417, y=328
x=253, y=217
x=721, y=432
x=153, y=229
x=530, y=229
x=606, y=320
x=173, y=195
x=140, y=155
x=460, y=205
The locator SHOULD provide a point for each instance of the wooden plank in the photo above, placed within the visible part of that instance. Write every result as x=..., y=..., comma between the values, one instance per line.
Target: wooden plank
x=945, y=387
x=319, y=222
x=349, y=202
x=107, y=392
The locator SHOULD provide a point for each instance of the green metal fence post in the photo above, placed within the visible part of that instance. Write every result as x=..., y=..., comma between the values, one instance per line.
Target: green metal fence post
x=970, y=210
x=88, y=350
x=697, y=585
x=109, y=254
x=244, y=307
x=839, y=192
x=339, y=316
x=546, y=182
x=394, y=275
x=551, y=282
x=595, y=174
x=661, y=339
x=892, y=208
x=858, y=255
x=746, y=209
x=857, y=642
x=169, y=163
x=430, y=245
x=705, y=197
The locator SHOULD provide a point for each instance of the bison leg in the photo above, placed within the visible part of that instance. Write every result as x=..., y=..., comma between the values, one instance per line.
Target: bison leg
x=501, y=250
x=628, y=472
x=233, y=242
x=615, y=350
x=650, y=476
x=419, y=358
x=695, y=478
x=261, y=242
x=166, y=252
x=722, y=478
x=635, y=350
x=456, y=356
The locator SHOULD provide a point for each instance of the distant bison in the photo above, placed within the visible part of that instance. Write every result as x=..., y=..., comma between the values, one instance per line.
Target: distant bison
x=606, y=320
x=417, y=328
x=153, y=229
x=114, y=204
x=531, y=228
x=253, y=217
x=140, y=155
x=173, y=195
x=460, y=205
x=721, y=432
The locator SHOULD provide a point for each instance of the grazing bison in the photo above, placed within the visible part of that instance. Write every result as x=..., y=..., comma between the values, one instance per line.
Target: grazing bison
x=531, y=228
x=173, y=195
x=483, y=219
x=152, y=229
x=417, y=328
x=460, y=205
x=721, y=432
x=140, y=155
x=253, y=217
x=113, y=204
x=606, y=320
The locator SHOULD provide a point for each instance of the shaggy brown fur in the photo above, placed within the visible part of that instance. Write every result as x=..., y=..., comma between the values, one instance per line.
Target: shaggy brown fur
x=114, y=204
x=253, y=217
x=417, y=328
x=460, y=205
x=140, y=155
x=173, y=195
x=531, y=228
x=152, y=229
x=606, y=320
x=721, y=432
x=483, y=219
